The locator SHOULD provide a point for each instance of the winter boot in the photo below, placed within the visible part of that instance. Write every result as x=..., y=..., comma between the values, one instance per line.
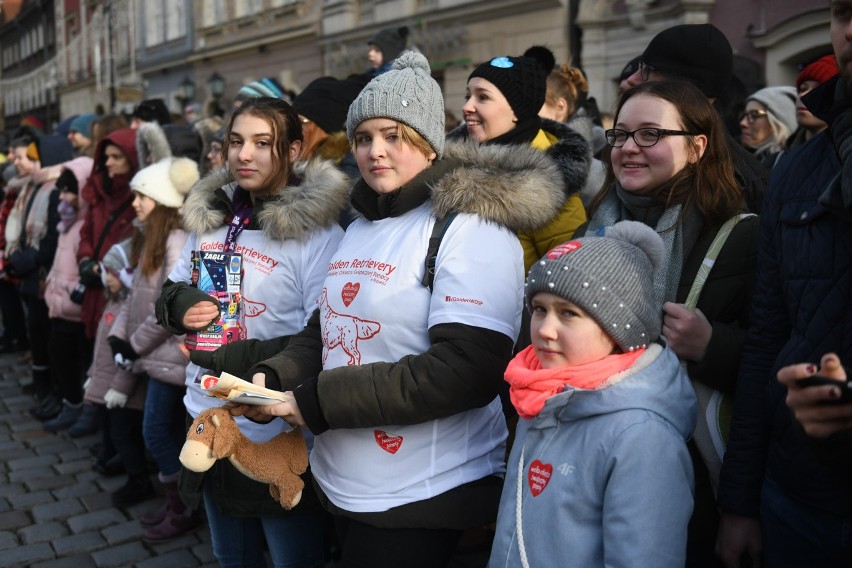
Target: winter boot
x=155, y=517
x=137, y=489
x=178, y=519
x=66, y=419
x=90, y=421
x=48, y=406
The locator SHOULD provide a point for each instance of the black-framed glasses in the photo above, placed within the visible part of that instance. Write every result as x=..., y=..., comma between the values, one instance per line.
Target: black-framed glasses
x=751, y=115
x=645, y=71
x=644, y=137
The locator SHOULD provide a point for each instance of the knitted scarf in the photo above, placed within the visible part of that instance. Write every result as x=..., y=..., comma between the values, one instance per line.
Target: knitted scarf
x=679, y=233
x=530, y=386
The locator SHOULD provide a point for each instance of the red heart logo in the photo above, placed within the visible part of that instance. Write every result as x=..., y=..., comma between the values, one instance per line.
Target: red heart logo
x=539, y=476
x=209, y=381
x=349, y=292
x=390, y=444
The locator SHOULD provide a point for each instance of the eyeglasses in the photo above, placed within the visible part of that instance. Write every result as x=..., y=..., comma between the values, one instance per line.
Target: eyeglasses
x=645, y=71
x=751, y=115
x=643, y=137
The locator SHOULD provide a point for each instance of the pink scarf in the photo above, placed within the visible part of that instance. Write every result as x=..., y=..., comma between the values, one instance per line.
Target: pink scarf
x=530, y=385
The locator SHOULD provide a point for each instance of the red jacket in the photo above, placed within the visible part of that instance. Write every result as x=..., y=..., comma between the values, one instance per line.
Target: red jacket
x=105, y=197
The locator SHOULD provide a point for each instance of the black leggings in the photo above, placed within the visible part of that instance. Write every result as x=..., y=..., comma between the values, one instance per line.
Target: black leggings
x=70, y=356
x=366, y=546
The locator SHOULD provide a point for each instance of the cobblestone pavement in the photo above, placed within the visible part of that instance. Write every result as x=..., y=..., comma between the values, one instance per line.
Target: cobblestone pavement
x=56, y=512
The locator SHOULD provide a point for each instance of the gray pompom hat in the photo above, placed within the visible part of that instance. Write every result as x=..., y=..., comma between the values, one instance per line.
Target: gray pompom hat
x=407, y=93
x=611, y=277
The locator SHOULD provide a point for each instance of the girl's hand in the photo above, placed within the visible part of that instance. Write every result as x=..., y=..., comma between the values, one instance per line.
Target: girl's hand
x=687, y=333
x=808, y=404
x=200, y=315
x=263, y=414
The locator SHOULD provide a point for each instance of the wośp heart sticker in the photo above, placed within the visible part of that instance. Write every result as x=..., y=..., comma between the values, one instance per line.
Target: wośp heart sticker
x=388, y=443
x=538, y=476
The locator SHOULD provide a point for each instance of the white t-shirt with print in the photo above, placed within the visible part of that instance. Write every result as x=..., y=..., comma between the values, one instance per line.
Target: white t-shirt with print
x=280, y=286
x=374, y=308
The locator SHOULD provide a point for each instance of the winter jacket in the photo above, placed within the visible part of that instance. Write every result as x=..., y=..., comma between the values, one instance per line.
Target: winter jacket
x=285, y=251
x=802, y=309
x=160, y=354
x=64, y=275
x=414, y=390
x=573, y=154
x=603, y=475
x=11, y=220
x=106, y=197
x=104, y=374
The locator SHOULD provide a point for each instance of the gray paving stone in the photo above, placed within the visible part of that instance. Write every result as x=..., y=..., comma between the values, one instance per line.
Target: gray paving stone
x=60, y=510
x=20, y=453
x=30, y=462
x=51, y=482
x=26, y=555
x=14, y=520
x=76, y=561
x=32, y=473
x=7, y=489
x=95, y=520
x=121, y=555
x=5, y=506
x=42, y=532
x=72, y=452
x=186, y=540
x=77, y=543
x=7, y=540
x=98, y=500
x=74, y=467
x=175, y=559
x=26, y=500
x=124, y=532
x=9, y=445
x=76, y=490
x=204, y=551
x=59, y=448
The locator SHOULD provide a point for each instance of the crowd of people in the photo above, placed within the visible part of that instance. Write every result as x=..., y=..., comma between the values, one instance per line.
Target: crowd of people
x=567, y=336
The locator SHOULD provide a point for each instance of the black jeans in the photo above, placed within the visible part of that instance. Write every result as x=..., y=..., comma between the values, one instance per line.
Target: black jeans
x=14, y=320
x=70, y=356
x=125, y=426
x=366, y=546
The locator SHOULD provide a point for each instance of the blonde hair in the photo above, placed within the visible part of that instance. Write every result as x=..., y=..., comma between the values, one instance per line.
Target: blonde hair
x=410, y=137
x=566, y=82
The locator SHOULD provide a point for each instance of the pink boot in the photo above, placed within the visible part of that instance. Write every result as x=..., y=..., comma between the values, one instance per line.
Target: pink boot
x=176, y=518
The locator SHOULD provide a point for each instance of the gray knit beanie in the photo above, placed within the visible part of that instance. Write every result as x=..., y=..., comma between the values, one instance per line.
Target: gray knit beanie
x=611, y=277
x=407, y=93
x=781, y=102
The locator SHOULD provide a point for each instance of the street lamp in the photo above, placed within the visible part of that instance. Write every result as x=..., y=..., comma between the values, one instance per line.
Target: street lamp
x=186, y=91
x=216, y=86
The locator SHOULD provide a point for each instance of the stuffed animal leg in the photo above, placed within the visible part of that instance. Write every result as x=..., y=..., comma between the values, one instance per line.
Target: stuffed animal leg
x=215, y=435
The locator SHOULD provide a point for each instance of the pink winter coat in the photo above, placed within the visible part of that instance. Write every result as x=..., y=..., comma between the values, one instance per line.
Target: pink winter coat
x=64, y=274
x=161, y=357
x=104, y=374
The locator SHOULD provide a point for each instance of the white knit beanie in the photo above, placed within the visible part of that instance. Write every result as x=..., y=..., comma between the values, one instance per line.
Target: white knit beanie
x=167, y=182
x=408, y=94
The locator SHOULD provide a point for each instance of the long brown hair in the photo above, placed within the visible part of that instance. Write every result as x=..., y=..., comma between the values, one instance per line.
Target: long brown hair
x=709, y=184
x=148, y=246
x=286, y=129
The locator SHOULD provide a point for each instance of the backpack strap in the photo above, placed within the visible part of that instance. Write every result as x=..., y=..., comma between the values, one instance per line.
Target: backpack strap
x=710, y=259
x=438, y=232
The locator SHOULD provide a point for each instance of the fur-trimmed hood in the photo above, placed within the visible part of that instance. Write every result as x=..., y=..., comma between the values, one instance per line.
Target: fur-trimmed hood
x=570, y=151
x=517, y=187
x=292, y=213
x=151, y=144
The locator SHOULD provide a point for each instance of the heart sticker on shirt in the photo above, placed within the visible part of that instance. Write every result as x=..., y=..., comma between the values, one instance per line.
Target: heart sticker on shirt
x=349, y=292
x=539, y=476
x=209, y=381
x=388, y=443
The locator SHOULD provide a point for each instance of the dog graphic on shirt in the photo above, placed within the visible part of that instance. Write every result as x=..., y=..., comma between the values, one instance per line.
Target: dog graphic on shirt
x=344, y=331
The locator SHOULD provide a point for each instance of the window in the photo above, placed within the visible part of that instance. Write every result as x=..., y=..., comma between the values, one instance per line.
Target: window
x=248, y=7
x=214, y=12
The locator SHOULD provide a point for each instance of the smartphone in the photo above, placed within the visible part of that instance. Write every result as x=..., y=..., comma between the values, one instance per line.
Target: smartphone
x=819, y=380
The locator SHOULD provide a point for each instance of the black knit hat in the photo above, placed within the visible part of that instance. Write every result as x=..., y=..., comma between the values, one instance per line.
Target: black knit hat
x=67, y=181
x=391, y=41
x=522, y=80
x=699, y=53
x=153, y=110
x=326, y=100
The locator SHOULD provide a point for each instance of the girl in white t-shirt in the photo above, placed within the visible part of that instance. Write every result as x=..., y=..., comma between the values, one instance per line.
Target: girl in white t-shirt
x=398, y=380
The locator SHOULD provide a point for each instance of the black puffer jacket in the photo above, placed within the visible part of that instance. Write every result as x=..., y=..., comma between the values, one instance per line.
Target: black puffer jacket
x=802, y=308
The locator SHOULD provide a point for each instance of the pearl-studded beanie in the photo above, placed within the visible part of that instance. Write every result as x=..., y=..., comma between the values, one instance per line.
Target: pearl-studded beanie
x=611, y=277
x=407, y=93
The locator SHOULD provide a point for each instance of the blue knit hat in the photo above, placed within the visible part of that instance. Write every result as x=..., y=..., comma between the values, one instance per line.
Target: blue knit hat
x=265, y=87
x=83, y=124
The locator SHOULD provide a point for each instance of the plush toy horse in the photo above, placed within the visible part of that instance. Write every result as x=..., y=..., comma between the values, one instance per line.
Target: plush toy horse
x=278, y=462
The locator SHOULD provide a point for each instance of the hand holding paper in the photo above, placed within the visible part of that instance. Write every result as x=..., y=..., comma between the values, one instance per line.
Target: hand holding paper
x=229, y=388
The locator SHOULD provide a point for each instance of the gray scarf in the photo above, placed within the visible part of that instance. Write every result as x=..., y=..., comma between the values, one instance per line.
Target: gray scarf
x=679, y=234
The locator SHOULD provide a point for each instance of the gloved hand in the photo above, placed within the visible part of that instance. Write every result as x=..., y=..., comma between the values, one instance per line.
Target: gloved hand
x=123, y=348
x=115, y=399
x=90, y=274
